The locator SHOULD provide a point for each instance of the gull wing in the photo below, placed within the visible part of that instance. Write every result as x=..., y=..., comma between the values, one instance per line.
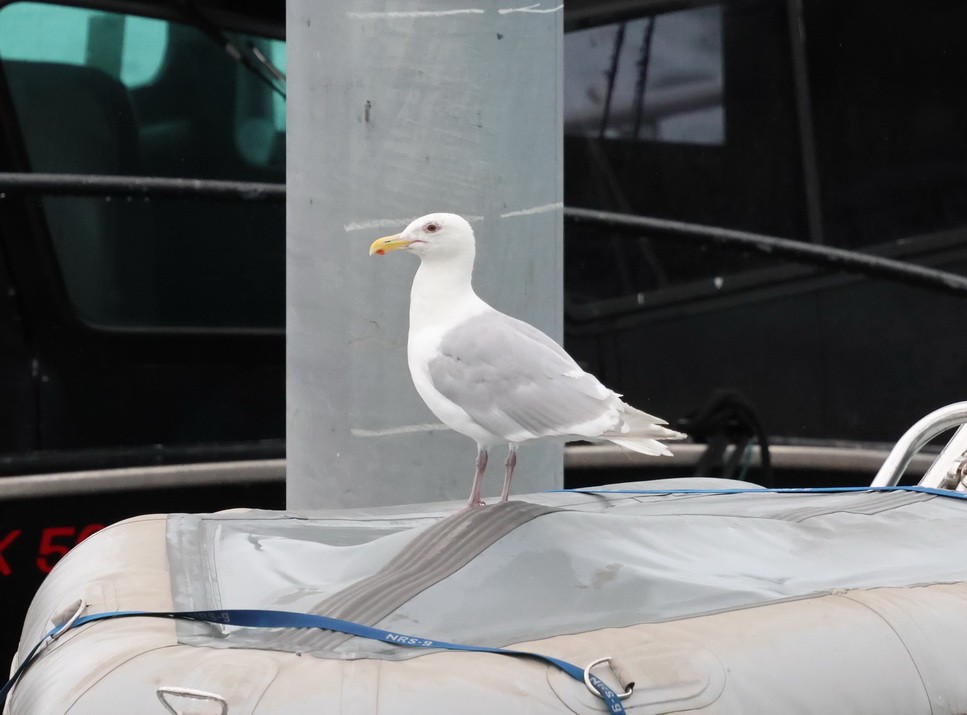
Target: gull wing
x=519, y=384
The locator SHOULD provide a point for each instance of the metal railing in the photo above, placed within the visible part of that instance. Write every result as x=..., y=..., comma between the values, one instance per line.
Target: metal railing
x=840, y=458
x=949, y=469
x=799, y=251
x=143, y=187
x=147, y=187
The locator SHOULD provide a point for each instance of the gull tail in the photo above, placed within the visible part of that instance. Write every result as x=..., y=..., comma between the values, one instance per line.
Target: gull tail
x=640, y=432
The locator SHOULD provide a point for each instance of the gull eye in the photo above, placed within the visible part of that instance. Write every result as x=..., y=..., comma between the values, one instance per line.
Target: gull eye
x=431, y=228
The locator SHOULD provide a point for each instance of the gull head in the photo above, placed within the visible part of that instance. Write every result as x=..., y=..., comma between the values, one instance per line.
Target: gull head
x=434, y=236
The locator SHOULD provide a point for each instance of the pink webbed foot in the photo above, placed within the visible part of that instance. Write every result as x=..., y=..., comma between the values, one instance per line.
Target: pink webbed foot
x=470, y=506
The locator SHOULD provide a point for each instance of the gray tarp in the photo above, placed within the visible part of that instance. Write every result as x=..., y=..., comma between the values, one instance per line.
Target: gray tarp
x=556, y=564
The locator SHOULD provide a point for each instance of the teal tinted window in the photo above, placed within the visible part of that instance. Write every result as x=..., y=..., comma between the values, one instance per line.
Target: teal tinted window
x=143, y=50
x=261, y=113
x=277, y=55
x=128, y=48
x=107, y=93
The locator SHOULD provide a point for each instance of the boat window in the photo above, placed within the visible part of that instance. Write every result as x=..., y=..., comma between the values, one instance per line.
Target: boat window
x=100, y=92
x=656, y=78
x=688, y=115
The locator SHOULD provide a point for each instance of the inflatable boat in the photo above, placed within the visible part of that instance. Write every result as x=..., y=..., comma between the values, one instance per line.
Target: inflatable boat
x=682, y=595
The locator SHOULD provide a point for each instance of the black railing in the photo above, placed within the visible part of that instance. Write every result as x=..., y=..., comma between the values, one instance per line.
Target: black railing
x=799, y=251
x=148, y=187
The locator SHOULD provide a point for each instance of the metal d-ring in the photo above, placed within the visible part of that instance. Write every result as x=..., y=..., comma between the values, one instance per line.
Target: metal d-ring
x=165, y=690
x=69, y=623
x=594, y=690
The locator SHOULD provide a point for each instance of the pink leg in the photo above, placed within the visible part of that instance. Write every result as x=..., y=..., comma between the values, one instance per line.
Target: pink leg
x=509, y=471
x=478, y=476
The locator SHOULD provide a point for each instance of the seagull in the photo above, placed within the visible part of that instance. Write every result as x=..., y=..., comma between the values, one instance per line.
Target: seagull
x=491, y=377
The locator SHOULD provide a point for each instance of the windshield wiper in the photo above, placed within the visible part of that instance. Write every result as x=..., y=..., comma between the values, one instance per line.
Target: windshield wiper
x=210, y=29
x=266, y=62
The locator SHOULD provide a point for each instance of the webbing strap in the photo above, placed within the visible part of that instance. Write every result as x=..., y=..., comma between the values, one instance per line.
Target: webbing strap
x=257, y=618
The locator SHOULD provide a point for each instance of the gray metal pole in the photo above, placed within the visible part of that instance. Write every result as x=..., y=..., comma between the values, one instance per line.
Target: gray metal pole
x=398, y=109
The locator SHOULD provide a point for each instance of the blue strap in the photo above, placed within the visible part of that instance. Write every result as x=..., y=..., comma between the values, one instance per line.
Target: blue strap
x=256, y=618
x=743, y=490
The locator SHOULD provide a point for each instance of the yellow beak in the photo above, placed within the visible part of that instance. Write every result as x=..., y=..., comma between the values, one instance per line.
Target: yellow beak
x=387, y=244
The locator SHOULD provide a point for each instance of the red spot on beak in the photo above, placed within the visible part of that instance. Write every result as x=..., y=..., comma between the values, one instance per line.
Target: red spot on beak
x=380, y=252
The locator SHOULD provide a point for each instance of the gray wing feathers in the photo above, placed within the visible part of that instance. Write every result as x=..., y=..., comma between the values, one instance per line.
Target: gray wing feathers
x=511, y=379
